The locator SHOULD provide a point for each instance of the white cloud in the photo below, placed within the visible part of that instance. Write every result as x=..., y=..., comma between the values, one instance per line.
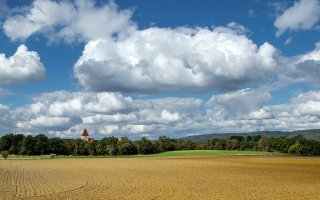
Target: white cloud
x=239, y=103
x=238, y=111
x=109, y=129
x=49, y=123
x=64, y=103
x=170, y=117
x=23, y=66
x=303, y=15
x=152, y=60
x=4, y=116
x=60, y=111
x=113, y=118
x=308, y=66
x=159, y=59
x=68, y=20
x=139, y=128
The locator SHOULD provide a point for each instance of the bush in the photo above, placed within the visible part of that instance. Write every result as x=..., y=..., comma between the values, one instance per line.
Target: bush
x=5, y=154
x=52, y=156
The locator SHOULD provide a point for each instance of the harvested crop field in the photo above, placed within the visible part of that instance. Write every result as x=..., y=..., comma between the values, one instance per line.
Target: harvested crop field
x=214, y=177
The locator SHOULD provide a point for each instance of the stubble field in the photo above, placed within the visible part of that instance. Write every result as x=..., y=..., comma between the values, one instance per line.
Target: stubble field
x=214, y=177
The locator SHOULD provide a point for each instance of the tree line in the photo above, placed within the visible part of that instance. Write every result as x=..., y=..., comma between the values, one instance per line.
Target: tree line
x=20, y=144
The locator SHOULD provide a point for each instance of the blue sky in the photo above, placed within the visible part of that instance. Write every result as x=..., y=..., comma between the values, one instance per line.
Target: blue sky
x=150, y=68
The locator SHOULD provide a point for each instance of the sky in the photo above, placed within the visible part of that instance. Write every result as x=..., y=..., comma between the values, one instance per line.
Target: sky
x=164, y=67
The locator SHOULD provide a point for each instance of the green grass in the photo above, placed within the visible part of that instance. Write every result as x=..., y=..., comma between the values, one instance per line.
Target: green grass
x=163, y=154
x=212, y=152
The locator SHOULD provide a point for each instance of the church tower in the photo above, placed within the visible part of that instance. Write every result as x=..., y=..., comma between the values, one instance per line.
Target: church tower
x=85, y=135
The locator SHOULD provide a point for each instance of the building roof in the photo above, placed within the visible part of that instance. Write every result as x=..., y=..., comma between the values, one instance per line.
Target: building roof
x=91, y=139
x=85, y=133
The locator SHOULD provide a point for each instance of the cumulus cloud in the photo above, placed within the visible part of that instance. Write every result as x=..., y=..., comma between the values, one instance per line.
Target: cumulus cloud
x=49, y=123
x=239, y=103
x=120, y=58
x=60, y=111
x=303, y=15
x=23, y=66
x=5, y=116
x=175, y=117
x=62, y=103
x=306, y=67
x=170, y=117
x=70, y=21
x=163, y=59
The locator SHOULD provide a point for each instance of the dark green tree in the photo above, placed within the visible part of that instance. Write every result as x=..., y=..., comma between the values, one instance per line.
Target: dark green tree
x=82, y=148
x=264, y=144
x=108, y=146
x=220, y=144
x=42, y=145
x=126, y=147
x=232, y=144
x=6, y=142
x=145, y=146
x=4, y=154
x=27, y=145
x=57, y=146
x=166, y=144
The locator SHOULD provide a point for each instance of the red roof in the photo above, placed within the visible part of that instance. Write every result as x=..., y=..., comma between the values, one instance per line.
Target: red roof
x=91, y=139
x=85, y=133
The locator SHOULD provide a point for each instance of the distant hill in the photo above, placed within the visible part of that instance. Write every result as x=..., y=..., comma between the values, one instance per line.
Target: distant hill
x=313, y=134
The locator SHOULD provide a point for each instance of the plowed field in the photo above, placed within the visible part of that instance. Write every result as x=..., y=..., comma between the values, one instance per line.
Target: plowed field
x=214, y=177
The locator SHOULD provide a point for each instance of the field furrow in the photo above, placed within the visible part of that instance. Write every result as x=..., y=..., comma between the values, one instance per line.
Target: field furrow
x=215, y=177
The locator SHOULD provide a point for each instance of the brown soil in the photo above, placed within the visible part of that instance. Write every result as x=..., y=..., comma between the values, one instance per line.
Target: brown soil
x=216, y=177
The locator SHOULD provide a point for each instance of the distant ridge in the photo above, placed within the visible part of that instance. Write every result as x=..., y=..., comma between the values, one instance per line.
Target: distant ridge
x=312, y=134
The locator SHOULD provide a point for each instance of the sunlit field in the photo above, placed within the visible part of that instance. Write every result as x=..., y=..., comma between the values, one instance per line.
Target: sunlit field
x=187, y=177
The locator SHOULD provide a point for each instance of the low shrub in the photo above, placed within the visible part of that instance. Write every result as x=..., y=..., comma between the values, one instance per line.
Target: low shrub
x=5, y=154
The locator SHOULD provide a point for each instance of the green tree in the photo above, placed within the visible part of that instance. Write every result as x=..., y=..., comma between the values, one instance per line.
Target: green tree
x=145, y=146
x=108, y=145
x=41, y=146
x=70, y=147
x=280, y=144
x=4, y=154
x=82, y=148
x=219, y=144
x=296, y=148
x=27, y=145
x=166, y=144
x=17, y=143
x=92, y=148
x=185, y=145
x=263, y=143
x=126, y=147
x=249, y=138
x=57, y=146
x=247, y=145
x=239, y=138
x=232, y=144
x=6, y=142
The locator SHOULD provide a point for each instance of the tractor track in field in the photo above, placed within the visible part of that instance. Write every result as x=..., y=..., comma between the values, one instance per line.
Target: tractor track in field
x=222, y=177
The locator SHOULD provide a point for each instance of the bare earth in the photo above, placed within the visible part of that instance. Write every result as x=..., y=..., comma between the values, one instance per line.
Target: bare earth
x=215, y=177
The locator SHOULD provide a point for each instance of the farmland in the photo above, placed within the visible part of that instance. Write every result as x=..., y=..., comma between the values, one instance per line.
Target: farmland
x=188, y=177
